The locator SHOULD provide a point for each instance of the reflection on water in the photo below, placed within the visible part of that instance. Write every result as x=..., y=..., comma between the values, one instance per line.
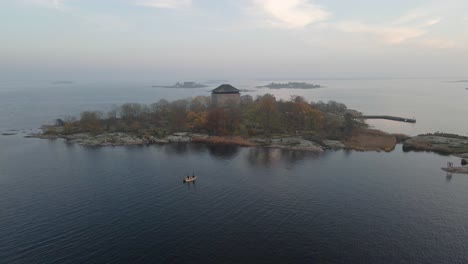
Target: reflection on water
x=268, y=156
x=215, y=151
x=176, y=148
x=73, y=204
x=448, y=177
x=260, y=156
x=223, y=152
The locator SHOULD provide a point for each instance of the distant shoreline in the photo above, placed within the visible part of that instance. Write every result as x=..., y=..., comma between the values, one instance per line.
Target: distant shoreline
x=291, y=85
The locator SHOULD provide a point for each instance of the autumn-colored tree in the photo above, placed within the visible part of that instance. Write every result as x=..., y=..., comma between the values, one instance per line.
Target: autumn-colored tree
x=233, y=119
x=264, y=112
x=302, y=116
x=216, y=122
x=196, y=120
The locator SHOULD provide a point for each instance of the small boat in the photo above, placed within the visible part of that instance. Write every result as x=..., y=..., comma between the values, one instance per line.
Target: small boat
x=191, y=179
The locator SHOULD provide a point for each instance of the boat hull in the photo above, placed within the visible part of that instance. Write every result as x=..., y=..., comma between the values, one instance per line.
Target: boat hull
x=190, y=180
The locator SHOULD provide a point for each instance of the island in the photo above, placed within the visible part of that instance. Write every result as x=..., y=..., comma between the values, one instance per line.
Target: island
x=251, y=122
x=184, y=85
x=291, y=85
x=263, y=121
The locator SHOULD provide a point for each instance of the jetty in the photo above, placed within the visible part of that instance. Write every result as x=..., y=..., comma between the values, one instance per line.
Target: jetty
x=386, y=117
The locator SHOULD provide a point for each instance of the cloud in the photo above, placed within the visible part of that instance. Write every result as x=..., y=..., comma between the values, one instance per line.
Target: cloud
x=170, y=4
x=57, y=4
x=290, y=13
x=103, y=22
x=439, y=43
x=407, y=27
x=96, y=21
x=394, y=35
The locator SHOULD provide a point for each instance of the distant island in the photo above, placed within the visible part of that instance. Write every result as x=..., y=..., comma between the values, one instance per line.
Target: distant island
x=184, y=85
x=460, y=81
x=291, y=85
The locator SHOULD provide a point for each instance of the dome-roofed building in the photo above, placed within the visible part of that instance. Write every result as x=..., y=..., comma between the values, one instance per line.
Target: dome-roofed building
x=225, y=95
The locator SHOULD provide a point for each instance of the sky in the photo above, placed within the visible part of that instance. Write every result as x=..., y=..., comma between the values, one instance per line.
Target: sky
x=222, y=39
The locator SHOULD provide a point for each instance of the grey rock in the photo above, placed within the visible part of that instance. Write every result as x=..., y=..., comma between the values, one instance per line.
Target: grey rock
x=179, y=138
x=333, y=144
x=437, y=143
x=295, y=143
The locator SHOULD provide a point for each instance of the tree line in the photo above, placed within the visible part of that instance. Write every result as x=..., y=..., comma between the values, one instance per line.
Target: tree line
x=263, y=115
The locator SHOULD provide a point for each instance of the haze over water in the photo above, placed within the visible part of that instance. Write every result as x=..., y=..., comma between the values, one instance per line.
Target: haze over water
x=437, y=104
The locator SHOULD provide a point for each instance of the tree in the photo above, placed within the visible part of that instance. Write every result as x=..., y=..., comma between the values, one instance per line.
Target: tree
x=246, y=100
x=68, y=125
x=349, y=123
x=131, y=110
x=216, y=122
x=91, y=122
x=200, y=103
x=67, y=128
x=196, y=120
x=178, y=114
x=160, y=108
x=267, y=112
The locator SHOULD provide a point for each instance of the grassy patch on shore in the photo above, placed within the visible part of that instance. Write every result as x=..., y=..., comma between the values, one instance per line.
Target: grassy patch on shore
x=371, y=140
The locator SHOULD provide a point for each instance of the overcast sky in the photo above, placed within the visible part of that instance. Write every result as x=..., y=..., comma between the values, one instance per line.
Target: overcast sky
x=277, y=39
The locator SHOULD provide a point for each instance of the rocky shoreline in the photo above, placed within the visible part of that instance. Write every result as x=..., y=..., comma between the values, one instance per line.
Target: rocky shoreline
x=125, y=139
x=441, y=143
x=367, y=140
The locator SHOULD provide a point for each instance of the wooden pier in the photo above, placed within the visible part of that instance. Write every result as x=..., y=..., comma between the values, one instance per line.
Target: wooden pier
x=393, y=118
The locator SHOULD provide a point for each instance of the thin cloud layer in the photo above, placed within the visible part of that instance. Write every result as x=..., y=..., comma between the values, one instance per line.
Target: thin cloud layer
x=291, y=13
x=169, y=4
x=410, y=26
x=46, y=3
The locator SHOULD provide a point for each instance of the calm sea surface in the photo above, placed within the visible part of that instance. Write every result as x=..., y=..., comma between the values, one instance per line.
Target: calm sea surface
x=62, y=203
